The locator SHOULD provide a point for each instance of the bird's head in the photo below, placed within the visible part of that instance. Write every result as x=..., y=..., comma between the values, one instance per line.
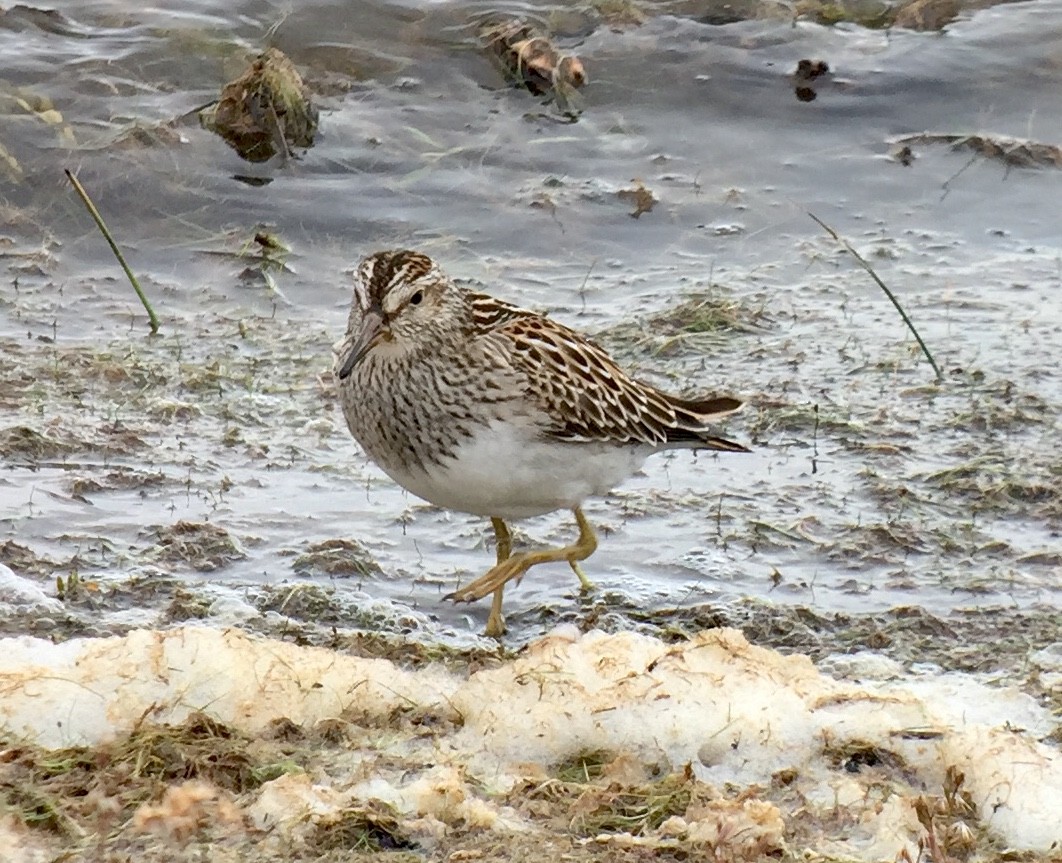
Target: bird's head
x=402, y=302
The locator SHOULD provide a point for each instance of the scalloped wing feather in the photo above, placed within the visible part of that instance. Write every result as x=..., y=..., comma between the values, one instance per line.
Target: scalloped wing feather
x=590, y=398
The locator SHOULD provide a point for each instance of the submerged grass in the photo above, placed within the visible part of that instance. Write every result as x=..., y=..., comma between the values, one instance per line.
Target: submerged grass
x=203, y=546
x=702, y=321
x=340, y=558
x=990, y=484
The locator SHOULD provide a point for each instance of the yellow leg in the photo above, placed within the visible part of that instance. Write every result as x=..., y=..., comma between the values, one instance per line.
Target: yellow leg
x=504, y=547
x=516, y=566
x=502, y=538
x=585, y=584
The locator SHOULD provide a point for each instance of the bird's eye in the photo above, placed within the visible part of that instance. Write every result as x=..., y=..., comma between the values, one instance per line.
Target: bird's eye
x=416, y=298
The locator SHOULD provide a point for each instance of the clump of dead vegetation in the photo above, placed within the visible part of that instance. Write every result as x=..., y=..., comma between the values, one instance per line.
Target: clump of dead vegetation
x=203, y=546
x=927, y=15
x=921, y=15
x=26, y=561
x=528, y=58
x=340, y=558
x=620, y=14
x=304, y=602
x=410, y=653
x=267, y=110
x=616, y=801
x=56, y=442
x=598, y=792
x=989, y=484
x=640, y=196
x=79, y=791
x=370, y=827
x=120, y=478
x=953, y=831
x=27, y=444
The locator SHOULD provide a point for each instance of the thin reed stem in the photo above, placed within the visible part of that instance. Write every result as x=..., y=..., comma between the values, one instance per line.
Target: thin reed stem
x=152, y=317
x=863, y=263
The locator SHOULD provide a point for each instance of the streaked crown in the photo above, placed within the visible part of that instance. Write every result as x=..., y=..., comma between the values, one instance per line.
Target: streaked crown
x=380, y=272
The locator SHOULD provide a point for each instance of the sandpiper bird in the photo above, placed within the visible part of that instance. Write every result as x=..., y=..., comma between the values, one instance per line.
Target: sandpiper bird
x=477, y=405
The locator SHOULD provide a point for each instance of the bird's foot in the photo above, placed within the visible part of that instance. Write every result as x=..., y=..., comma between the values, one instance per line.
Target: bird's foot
x=512, y=568
x=585, y=584
x=495, y=628
x=495, y=579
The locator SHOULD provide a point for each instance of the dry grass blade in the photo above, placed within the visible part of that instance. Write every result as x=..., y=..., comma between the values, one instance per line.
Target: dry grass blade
x=152, y=318
x=1012, y=152
x=892, y=297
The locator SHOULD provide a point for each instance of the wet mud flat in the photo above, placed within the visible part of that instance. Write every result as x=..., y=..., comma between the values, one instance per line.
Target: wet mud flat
x=167, y=463
x=172, y=492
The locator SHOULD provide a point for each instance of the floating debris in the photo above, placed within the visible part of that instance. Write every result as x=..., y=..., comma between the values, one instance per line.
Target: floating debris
x=643, y=198
x=808, y=71
x=265, y=111
x=619, y=14
x=1012, y=152
x=926, y=14
x=21, y=18
x=903, y=154
x=529, y=59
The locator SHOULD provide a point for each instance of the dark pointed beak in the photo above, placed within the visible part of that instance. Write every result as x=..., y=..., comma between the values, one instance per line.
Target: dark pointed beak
x=372, y=325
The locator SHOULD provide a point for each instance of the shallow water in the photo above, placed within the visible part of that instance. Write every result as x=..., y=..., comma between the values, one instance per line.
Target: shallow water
x=869, y=487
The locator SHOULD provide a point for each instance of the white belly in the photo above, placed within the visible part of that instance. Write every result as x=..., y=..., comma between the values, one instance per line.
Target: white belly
x=508, y=472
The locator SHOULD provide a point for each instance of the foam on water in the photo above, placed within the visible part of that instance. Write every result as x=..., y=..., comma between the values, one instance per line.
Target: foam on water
x=736, y=714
